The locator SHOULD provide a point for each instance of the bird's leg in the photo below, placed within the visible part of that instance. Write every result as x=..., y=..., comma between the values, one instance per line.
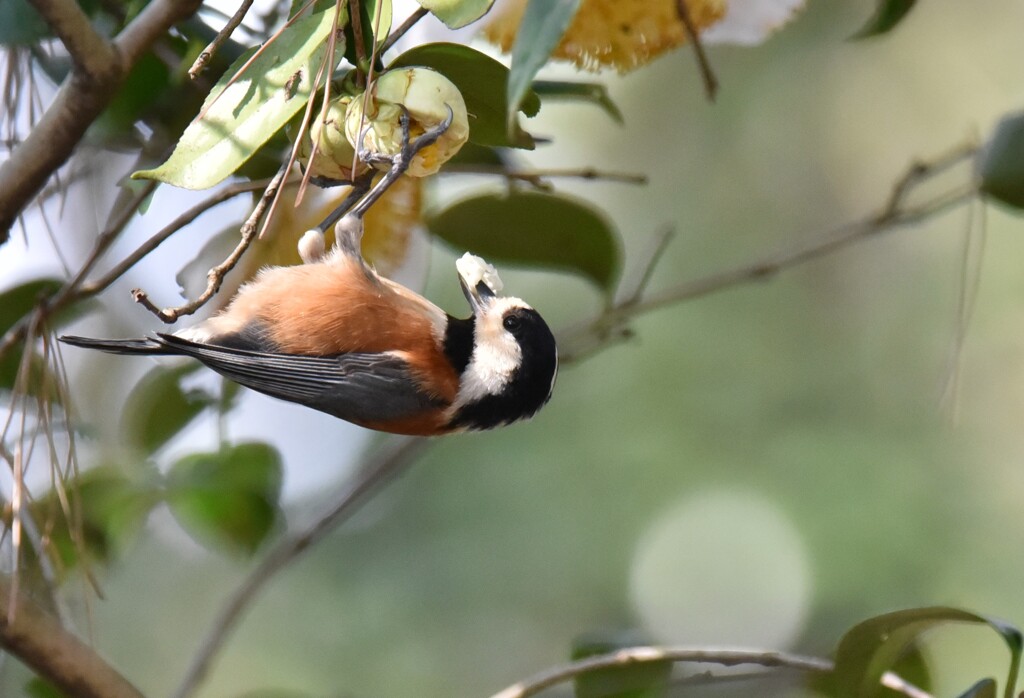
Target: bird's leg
x=399, y=162
x=348, y=216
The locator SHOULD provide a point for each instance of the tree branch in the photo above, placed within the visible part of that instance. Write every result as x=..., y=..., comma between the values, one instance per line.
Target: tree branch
x=91, y=53
x=211, y=49
x=644, y=655
x=609, y=325
x=383, y=467
x=99, y=69
x=65, y=661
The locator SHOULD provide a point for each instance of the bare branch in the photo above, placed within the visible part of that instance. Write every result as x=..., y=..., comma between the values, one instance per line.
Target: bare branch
x=708, y=75
x=644, y=655
x=216, y=276
x=65, y=661
x=170, y=229
x=82, y=97
x=401, y=30
x=211, y=49
x=91, y=53
x=608, y=325
x=383, y=467
x=536, y=177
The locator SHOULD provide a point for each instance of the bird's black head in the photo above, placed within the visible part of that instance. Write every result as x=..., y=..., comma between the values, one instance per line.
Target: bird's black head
x=511, y=368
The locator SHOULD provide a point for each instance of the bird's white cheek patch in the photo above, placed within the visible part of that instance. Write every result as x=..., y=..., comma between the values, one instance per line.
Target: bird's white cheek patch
x=489, y=370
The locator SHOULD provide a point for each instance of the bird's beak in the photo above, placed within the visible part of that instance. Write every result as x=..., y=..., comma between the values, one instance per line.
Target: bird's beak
x=479, y=296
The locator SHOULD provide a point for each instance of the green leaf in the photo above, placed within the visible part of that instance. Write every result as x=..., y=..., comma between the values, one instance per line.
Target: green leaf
x=544, y=23
x=20, y=24
x=887, y=15
x=482, y=81
x=158, y=408
x=986, y=688
x=457, y=13
x=38, y=687
x=239, y=118
x=533, y=229
x=147, y=82
x=872, y=647
x=112, y=510
x=593, y=92
x=19, y=301
x=229, y=498
x=639, y=680
x=40, y=379
x=1001, y=166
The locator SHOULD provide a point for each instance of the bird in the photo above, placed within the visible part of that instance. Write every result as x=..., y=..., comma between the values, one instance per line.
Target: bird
x=333, y=335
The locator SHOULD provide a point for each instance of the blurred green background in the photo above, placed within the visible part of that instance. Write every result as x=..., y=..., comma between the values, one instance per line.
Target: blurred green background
x=761, y=467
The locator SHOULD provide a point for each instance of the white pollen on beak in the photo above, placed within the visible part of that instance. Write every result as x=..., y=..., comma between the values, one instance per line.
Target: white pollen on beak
x=474, y=269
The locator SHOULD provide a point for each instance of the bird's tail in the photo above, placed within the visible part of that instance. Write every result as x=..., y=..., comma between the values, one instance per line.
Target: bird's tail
x=119, y=346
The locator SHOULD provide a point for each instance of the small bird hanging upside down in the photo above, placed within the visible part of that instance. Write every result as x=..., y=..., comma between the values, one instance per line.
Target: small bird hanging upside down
x=333, y=335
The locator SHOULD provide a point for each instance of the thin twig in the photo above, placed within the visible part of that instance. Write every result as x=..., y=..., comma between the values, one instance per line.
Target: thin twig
x=606, y=327
x=402, y=28
x=170, y=229
x=215, y=277
x=211, y=49
x=706, y=73
x=645, y=655
x=383, y=467
x=536, y=177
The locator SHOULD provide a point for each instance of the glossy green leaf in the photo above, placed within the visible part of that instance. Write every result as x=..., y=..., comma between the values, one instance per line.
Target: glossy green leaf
x=457, y=13
x=544, y=23
x=639, y=680
x=533, y=229
x=986, y=688
x=482, y=81
x=593, y=92
x=888, y=13
x=17, y=302
x=872, y=647
x=158, y=408
x=20, y=24
x=1001, y=167
x=239, y=118
x=229, y=498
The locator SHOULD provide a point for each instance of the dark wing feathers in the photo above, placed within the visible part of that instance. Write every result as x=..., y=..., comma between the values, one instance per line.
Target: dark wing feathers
x=118, y=346
x=359, y=387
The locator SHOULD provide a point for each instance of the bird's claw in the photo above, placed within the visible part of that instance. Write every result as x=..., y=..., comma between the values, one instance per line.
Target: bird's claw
x=399, y=162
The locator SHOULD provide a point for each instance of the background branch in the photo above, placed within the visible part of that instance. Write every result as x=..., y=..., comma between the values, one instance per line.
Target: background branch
x=645, y=655
x=66, y=662
x=609, y=325
x=382, y=467
x=97, y=74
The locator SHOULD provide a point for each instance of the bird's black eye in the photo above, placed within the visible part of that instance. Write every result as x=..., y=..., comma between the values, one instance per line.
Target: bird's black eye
x=511, y=322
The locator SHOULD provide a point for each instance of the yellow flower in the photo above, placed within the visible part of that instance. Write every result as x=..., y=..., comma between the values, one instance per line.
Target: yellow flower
x=624, y=34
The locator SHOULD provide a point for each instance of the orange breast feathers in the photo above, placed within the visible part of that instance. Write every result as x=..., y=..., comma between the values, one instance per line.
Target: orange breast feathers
x=334, y=306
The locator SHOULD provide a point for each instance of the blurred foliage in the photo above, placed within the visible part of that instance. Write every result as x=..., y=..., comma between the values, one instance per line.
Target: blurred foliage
x=887, y=15
x=808, y=394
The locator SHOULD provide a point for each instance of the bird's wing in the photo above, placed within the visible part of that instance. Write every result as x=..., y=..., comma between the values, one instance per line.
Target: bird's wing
x=358, y=387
